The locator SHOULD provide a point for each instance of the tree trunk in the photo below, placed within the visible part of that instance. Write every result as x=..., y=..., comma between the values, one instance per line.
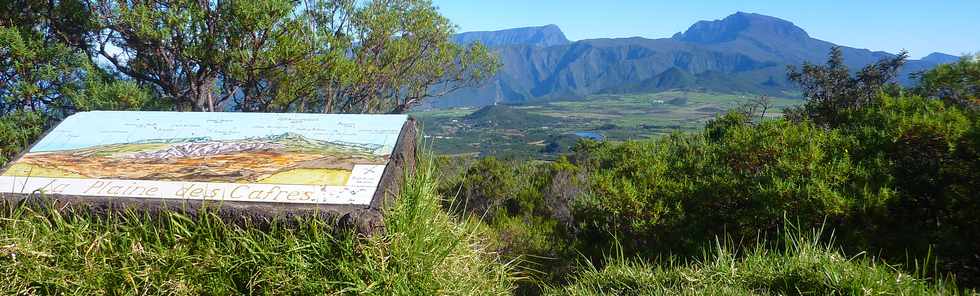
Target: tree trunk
x=204, y=95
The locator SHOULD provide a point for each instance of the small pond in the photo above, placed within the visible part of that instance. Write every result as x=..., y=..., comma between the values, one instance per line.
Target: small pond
x=590, y=135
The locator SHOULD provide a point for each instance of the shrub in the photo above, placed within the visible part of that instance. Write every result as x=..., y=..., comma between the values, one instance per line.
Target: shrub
x=527, y=206
x=675, y=192
x=900, y=177
x=484, y=188
x=927, y=151
x=957, y=83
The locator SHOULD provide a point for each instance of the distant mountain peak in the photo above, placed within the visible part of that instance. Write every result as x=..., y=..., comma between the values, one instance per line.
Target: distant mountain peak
x=546, y=35
x=740, y=53
x=940, y=58
x=284, y=136
x=742, y=24
x=174, y=140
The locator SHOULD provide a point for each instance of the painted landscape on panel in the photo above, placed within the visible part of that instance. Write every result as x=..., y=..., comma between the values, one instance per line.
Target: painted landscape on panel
x=276, y=159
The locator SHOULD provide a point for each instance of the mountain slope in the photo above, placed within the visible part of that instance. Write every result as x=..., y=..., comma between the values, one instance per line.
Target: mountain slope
x=743, y=52
x=531, y=36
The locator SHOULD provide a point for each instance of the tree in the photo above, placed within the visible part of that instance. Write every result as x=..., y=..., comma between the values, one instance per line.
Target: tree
x=830, y=88
x=43, y=81
x=55, y=80
x=17, y=131
x=957, y=83
x=286, y=56
x=401, y=53
x=55, y=21
x=757, y=106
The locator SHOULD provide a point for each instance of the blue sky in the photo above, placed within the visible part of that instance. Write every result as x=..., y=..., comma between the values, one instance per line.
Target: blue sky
x=922, y=27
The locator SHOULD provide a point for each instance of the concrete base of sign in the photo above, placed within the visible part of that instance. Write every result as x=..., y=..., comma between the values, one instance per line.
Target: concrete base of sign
x=365, y=219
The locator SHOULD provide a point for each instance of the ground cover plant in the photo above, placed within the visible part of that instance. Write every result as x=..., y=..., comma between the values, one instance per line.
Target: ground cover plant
x=798, y=262
x=424, y=252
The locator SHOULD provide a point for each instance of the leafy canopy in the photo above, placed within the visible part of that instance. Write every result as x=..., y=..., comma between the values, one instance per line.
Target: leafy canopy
x=281, y=55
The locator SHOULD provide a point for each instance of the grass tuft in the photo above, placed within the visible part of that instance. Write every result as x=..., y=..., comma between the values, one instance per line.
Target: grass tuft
x=424, y=251
x=803, y=265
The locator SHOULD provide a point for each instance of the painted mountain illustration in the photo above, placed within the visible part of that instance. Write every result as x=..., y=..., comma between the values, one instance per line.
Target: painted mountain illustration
x=279, y=159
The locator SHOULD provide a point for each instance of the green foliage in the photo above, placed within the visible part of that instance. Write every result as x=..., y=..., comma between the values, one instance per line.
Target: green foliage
x=900, y=176
x=803, y=265
x=17, y=131
x=43, y=81
x=424, y=252
x=924, y=152
x=830, y=89
x=404, y=55
x=55, y=79
x=200, y=56
x=957, y=83
x=280, y=55
x=487, y=185
x=897, y=178
x=527, y=207
x=57, y=21
x=674, y=193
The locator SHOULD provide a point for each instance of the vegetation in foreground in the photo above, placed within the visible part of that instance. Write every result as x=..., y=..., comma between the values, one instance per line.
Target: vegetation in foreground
x=804, y=264
x=424, y=252
x=894, y=175
x=894, y=171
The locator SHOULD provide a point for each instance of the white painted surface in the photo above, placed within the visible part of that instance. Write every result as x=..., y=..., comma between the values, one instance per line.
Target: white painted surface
x=359, y=189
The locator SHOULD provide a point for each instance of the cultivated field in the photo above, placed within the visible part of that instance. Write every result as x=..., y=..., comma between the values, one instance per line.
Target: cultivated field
x=543, y=130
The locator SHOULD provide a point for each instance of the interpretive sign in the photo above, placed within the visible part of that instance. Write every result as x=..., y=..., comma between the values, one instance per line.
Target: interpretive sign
x=244, y=158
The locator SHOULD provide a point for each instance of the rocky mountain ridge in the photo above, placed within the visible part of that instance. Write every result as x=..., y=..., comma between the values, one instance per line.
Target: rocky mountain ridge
x=741, y=53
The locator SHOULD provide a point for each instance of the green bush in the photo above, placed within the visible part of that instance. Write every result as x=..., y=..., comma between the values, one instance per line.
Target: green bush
x=486, y=187
x=957, y=83
x=926, y=154
x=527, y=207
x=900, y=177
x=736, y=178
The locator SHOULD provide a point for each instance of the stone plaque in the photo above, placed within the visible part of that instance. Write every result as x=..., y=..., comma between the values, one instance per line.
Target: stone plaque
x=262, y=163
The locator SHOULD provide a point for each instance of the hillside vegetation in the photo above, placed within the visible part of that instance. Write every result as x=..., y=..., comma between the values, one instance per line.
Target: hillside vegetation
x=866, y=187
x=891, y=175
x=547, y=130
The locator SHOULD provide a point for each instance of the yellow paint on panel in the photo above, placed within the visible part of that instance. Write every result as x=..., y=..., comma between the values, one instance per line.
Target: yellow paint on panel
x=28, y=170
x=306, y=176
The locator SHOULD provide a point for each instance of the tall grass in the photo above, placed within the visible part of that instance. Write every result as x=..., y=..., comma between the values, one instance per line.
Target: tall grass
x=423, y=252
x=800, y=264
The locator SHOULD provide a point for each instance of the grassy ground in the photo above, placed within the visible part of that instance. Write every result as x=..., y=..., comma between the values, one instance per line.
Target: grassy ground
x=803, y=265
x=424, y=252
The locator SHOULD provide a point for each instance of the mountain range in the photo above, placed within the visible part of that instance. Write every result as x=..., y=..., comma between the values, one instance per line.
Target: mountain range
x=742, y=53
x=205, y=146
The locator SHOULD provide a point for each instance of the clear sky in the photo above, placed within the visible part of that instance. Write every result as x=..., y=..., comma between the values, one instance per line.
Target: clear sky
x=922, y=27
